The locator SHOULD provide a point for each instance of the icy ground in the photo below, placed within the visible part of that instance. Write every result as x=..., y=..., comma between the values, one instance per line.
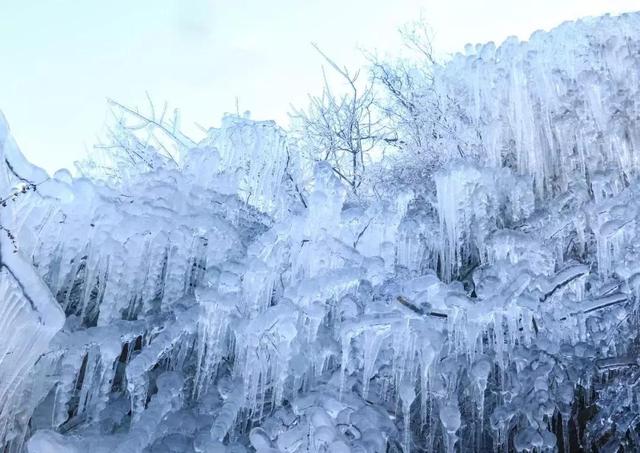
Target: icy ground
x=237, y=301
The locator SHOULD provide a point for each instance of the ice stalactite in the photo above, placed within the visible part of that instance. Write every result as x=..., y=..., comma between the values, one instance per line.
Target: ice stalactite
x=407, y=396
x=450, y=419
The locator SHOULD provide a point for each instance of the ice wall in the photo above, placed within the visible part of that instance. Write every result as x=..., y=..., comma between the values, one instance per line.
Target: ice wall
x=207, y=308
x=29, y=314
x=560, y=106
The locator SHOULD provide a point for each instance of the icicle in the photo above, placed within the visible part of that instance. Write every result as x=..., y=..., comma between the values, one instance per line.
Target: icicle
x=480, y=371
x=450, y=419
x=407, y=396
x=232, y=393
x=371, y=344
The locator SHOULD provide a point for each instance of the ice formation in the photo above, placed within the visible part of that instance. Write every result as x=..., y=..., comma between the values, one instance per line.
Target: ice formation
x=246, y=301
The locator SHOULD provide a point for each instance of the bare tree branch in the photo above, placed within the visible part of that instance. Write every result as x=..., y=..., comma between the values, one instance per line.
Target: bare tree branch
x=342, y=129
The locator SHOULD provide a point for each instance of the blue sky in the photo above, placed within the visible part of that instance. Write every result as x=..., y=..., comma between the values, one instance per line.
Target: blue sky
x=61, y=59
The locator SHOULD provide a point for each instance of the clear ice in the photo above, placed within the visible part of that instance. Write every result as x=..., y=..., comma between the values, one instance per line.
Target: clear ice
x=242, y=299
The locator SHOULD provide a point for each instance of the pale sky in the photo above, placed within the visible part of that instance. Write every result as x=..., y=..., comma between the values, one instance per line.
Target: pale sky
x=61, y=59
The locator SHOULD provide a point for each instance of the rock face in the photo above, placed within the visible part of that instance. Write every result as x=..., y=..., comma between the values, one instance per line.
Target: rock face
x=225, y=303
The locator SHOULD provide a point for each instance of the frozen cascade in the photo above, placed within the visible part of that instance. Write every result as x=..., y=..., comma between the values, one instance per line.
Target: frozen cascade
x=472, y=203
x=166, y=341
x=244, y=300
x=454, y=190
x=257, y=154
x=27, y=307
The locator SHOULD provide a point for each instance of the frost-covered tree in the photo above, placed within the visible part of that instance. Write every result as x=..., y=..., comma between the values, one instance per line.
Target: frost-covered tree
x=342, y=129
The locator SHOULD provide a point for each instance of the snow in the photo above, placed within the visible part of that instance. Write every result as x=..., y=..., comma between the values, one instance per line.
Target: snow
x=243, y=299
